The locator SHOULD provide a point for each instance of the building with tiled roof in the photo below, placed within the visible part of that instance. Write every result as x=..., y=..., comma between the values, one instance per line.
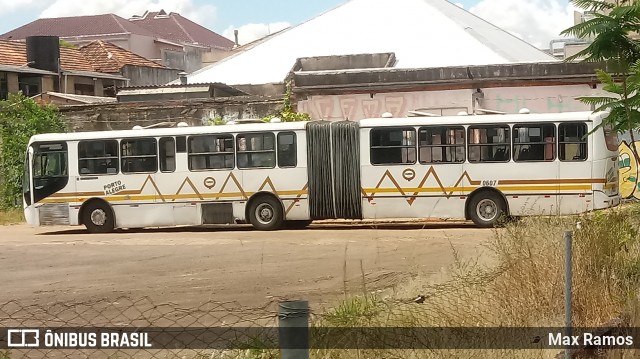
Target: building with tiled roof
x=95, y=69
x=175, y=27
x=169, y=39
x=109, y=58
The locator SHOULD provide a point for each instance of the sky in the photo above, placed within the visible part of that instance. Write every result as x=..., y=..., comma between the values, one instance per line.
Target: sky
x=535, y=21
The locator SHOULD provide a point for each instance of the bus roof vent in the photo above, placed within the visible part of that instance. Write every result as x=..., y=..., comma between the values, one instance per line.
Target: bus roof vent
x=137, y=127
x=182, y=124
x=423, y=114
x=276, y=120
x=484, y=111
x=463, y=113
x=387, y=115
x=524, y=111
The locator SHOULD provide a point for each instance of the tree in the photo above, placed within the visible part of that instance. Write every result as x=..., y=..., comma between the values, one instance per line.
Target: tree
x=20, y=118
x=612, y=25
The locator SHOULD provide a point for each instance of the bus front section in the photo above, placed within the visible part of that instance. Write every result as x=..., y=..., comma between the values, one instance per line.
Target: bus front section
x=46, y=173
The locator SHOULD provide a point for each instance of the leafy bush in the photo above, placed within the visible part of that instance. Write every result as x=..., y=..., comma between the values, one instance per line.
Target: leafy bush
x=20, y=118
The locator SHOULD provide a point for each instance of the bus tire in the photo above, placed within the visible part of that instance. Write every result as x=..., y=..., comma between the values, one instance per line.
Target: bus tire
x=487, y=208
x=297, y=224
x=265, y=213
x=98, y=217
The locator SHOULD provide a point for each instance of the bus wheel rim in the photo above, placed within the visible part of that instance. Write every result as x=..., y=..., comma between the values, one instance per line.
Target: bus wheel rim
x=487, y=210
x=265, y=213
x=98, y=217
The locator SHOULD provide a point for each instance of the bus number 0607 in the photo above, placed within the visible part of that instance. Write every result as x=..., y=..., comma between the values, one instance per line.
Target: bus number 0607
x=489, y=183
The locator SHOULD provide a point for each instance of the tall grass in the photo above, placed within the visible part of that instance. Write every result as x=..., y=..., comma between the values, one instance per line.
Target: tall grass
x=11, y=216
x=524, y=288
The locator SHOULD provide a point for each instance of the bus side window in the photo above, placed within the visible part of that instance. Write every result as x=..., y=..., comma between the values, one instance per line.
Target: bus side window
x=167, y=154
x=139, y=155
x=287, y=151
x=181, y=144
x=572, y=143
x=98, y=157
x=256, y=150
x=534, y=142
x=393, y=146
x=489, y=143
x=441, y=144
x=211, y=152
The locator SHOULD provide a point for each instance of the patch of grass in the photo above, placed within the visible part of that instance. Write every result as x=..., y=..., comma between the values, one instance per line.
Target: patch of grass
x=523, y=287
x=11, y=216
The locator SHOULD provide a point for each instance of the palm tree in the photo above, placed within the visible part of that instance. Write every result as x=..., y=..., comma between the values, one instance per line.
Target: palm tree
x=612, y=26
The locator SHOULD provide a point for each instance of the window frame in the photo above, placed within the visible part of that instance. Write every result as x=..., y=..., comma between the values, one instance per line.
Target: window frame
x=116, y=157
x=162, y=158
x=541, y=126
x=273, y=151
x=122, y=156
x=224, y=136
x=295, y=148
x=455, y=145
x=480, y=145
x=585, y=141
x=391, y=128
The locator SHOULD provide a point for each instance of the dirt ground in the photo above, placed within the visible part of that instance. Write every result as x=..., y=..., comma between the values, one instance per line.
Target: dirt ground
x=189, y=266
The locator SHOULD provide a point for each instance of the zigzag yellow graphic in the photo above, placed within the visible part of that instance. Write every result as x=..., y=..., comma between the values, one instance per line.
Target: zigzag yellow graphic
x=268, y=181
x=193, y=187
x=235, y=180
x=304, y=189
x=429, y=173
x=150, y=179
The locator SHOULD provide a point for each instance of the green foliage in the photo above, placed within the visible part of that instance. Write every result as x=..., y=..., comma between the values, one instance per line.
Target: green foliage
x=288, y=114
x=611, y=27
x=216, y=121
x=67, y=45
x=611, y=32
x=623, y=103
x=20, y=118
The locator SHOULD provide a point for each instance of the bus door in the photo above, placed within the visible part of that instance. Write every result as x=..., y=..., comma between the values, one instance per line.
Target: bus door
x=575, y=168
x=48, y=182
x=440, y=181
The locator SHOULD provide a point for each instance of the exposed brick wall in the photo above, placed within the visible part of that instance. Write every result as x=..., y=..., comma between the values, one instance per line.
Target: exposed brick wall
x=123, y=116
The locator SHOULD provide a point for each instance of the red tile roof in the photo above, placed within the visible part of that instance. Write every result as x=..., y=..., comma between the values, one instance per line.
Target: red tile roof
x=73, y=26
x=175, y=27
x=15, y=53
x=93, y=57
x=109, y=58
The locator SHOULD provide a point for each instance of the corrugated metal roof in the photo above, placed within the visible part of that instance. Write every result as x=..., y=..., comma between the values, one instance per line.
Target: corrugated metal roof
x=82, y=98
x=422, y=34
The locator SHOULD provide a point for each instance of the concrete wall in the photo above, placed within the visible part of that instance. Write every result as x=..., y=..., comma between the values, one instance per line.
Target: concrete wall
x=12, y=82
x=121, y=116
x=144, y=76
x=559, y=98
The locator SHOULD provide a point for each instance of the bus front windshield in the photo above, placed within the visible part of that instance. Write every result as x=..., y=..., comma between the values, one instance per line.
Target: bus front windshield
x=50, y=170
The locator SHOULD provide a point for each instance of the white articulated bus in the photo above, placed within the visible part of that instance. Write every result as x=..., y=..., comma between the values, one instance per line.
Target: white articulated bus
x=475, y=167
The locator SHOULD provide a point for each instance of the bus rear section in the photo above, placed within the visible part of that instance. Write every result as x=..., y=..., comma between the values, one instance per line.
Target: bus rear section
x=605, y=164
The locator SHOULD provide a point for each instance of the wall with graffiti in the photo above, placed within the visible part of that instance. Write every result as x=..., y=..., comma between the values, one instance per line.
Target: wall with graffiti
x=560, y=98
x=629, y=184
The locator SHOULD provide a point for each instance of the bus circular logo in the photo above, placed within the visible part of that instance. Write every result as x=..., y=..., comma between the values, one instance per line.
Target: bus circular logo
x=209, y=182
x=409, y=174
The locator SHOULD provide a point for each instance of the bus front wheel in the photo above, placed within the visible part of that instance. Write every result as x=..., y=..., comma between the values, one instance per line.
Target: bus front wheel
x=98, y=217
x=487, y=208
x=265, y=213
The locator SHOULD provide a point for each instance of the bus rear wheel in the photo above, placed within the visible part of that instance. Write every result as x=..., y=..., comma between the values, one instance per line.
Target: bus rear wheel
x=265, y=213
x=98, y=217
x=486, y=209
